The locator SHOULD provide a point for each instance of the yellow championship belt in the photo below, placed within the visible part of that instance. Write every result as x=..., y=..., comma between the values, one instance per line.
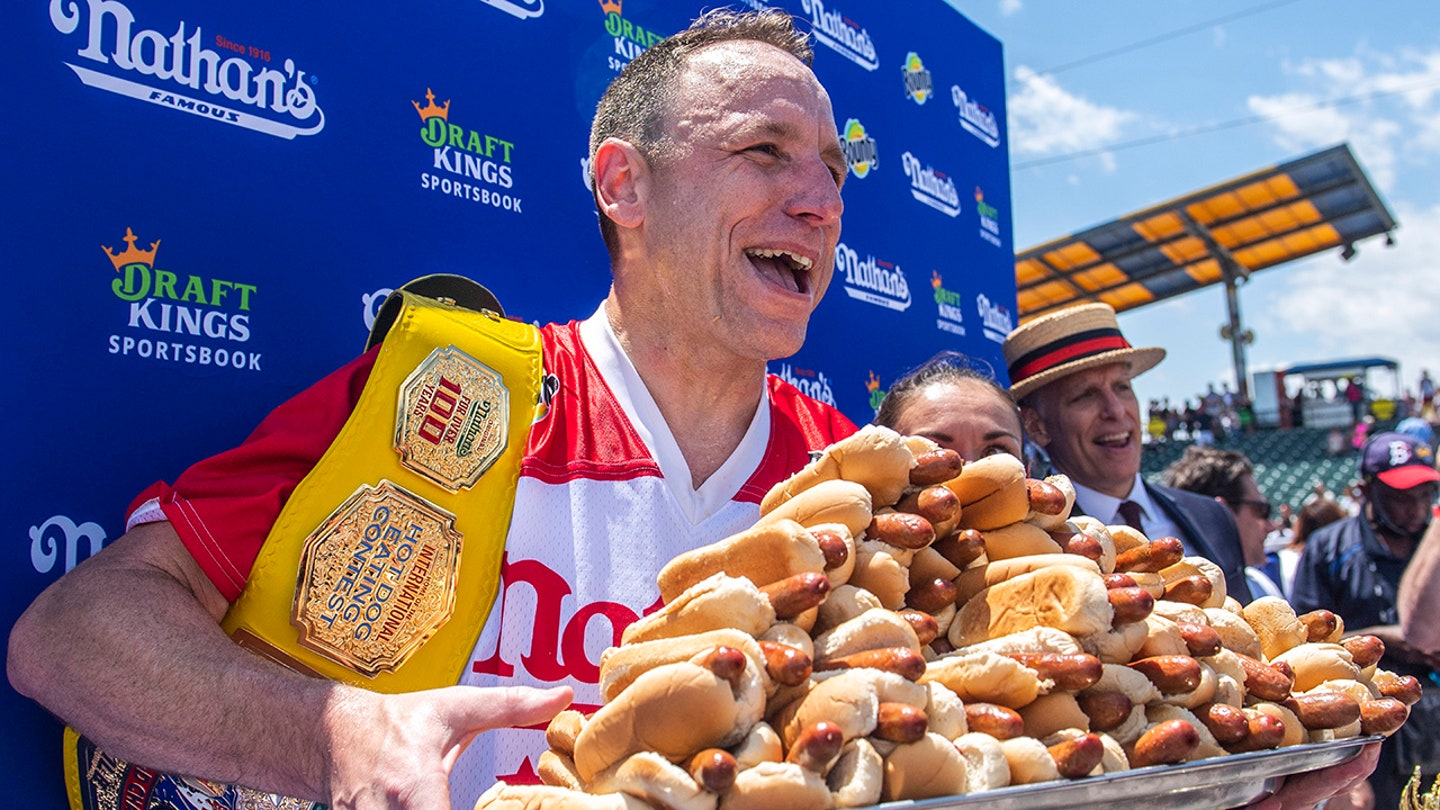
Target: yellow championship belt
x=384, y=562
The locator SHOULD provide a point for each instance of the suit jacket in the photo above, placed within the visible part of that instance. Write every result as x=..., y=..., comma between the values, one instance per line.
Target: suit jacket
x=1209, y=531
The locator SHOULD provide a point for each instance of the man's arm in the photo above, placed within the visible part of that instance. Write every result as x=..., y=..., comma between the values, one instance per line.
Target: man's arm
x=1419, y=599
x=127, y=648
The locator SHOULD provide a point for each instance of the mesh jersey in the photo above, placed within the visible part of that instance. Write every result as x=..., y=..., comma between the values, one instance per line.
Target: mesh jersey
x=594, y=518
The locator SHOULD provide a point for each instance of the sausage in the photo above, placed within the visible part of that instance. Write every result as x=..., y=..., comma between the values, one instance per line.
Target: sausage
x=1171, y=674
x=1201, y=640
x=787, y=665
x=935, y=467
x=817, y=747
x=1266, y=681
x=961, y=548
x=900, y=723
x=1152, y=557
x=1000, y=722
x=942, y=645
x=936, y=504
x=931, y=595
x=925, y=627
x=796, y=594
x=725, y=662
x=1130, y=604
x=1078, y=757
x=1045, y=497
x=1193, y=590
x=1081, y=544
x=1227, y=724
x=1106, y=710
x=1120, y=581
x=1382, y=716
x=833, y=547
x=1404, y=688
x=1319, y=624
x=902, y=661
x=1364, y=650
x=714, y=769
x=1266, y=732
x=902, y=530
x=1320, y=710
x=1165, y=743
x=1070, y=672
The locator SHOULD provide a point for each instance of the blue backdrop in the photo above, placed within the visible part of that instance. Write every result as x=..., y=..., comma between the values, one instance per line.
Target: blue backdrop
x=207, y=203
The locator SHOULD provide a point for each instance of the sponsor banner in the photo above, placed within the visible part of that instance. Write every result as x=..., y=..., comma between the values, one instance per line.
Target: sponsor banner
x=861, y=153
x=919, y=87
x=995, y=318
x=466, y=164
x=949, y=314
x=812, y=383
x=976, y=118
x=933, y=188
x=873, y=281
x=989, y=219
x=840, y=33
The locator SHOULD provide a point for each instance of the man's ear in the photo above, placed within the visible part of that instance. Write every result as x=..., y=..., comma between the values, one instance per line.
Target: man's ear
x=1034, y=426
x=621, y=179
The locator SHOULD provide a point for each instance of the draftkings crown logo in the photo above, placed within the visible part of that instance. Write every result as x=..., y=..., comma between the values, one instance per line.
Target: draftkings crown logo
x=876, y=393
x=630, y=39
x=460, y=156
x=188, y=319
x=950, y=315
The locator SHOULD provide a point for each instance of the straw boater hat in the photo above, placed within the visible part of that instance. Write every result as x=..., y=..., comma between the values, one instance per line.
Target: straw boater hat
x=1070, y=340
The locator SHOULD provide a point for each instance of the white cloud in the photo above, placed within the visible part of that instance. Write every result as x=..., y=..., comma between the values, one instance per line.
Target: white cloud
x=1046, y=119
x=1381, y=303
x=1008, y=7
x=1391, y=116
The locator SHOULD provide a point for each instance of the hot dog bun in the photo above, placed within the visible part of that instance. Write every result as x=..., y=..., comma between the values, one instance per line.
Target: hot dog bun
x=715, y=603
x=762, y=554
x=875, y=457
x=992, y=492
x=502, y=796
x=1062, y=596
x=620, y=666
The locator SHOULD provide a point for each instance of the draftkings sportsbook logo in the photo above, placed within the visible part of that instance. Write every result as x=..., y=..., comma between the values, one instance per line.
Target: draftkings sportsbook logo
x=631, y=39
x=876, y=394
x=950, y=317
x=186, y=319
x=466, y=155
x=872, y=280
x=840, y=34
x=918, y=86
x=931, y=187
x=989, y=219
x=860, y=150
x=976, y=118
x=234, y=85
x=811, y=383
x=996, y=319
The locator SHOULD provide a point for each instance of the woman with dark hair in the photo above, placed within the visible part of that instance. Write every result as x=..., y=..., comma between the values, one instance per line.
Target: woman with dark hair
x=957, y=405
x=1313, y=515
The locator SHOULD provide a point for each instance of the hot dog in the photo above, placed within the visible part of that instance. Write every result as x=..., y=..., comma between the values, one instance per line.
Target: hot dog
x=999, y=722
x=1070, y=673
x=937, y=504
x=1171, y=674
x=1193, y=590
x=901, y=529
x=1319, y=625
x=1165, y=743
x=1264, y=681
x=1106, y=710
x=1228, y=724
x=961, y=548
x=1405, y=688
x=903, y=661
x=1078, y=757
x=1263, y=732
x=796, y=594
x=935, y=467
x=1150, y=557
x=1321, y=710
x=1383, y=716
x=1130, y=604
x=817, y=747
x=713, y=769
x=1364, y=650
x=786, y=665
x=900, y=722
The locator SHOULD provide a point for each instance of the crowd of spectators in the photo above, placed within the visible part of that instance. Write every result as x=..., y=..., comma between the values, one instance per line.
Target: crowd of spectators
x=1204, y=419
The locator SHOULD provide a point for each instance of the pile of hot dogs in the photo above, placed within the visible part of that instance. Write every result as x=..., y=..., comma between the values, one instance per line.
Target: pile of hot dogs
x=902, y=625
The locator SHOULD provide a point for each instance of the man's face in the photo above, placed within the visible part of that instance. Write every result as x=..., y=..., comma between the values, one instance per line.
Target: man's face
x=1408, y=509
x=1089, y=423
x=1252, y=518
x=744, y=215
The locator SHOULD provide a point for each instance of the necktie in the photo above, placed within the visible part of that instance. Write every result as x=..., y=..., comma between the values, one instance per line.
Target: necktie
x=1130, y=513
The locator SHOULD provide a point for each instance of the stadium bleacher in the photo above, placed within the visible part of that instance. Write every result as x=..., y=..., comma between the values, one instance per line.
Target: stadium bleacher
x=1288, y=463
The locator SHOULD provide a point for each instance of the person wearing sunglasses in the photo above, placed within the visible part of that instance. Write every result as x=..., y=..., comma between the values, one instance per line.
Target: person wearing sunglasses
x=1229, y=477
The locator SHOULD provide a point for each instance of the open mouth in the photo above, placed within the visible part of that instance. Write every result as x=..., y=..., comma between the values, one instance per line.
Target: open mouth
x=1114, y=441
x=788, y=270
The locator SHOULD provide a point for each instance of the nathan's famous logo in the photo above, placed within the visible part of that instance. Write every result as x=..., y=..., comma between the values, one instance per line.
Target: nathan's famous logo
x=524, y=9
x=238, y=85
x=918, y=87
x=989, y=219
x=976, y=118
x=860, y=151
x=872, y=280
x=876, y=393
x=931, y=187
x=172, y=316
x=630, y=39
x=47, y=539
x=996, y=319
x=468, y=154
x=841, y=34
x=949, y=316
x=811, y=383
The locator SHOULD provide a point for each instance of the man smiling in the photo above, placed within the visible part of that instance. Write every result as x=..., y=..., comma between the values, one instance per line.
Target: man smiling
x=1070, y=371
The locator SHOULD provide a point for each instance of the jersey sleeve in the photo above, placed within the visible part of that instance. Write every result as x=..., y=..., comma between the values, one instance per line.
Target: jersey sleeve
x=223, y=506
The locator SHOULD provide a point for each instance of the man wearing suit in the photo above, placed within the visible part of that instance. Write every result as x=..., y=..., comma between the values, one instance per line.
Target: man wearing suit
x=1070, y=371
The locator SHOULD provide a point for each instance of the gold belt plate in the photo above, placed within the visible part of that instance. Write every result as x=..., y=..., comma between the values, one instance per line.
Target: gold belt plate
x=452, y=420
x=377, y=579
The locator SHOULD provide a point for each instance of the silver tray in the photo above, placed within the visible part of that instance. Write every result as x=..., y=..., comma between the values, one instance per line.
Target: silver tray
x=1206, y=784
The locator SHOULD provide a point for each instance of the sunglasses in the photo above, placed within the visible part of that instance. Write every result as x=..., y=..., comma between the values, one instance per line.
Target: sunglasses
x=1263, y=508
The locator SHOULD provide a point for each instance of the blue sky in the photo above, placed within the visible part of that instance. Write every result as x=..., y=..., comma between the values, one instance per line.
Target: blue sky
x=1281, y=61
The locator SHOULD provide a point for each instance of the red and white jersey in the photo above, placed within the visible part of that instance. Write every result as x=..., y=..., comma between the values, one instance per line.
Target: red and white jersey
x=604, y=500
